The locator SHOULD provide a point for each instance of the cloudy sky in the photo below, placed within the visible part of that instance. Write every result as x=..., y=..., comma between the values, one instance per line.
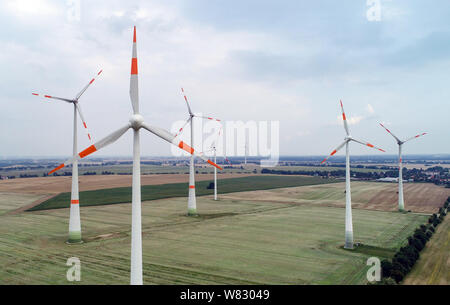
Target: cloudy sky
x=253, y=60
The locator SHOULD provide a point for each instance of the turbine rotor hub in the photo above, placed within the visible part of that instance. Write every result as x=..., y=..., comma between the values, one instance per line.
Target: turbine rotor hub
x=136, y=121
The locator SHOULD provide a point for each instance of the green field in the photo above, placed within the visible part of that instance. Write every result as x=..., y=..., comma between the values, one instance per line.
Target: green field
x=232, y=242
x=326, y=168
x=152, y=192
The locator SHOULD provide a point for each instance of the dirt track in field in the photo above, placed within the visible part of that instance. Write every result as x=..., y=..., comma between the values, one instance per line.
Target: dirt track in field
x=56, y=185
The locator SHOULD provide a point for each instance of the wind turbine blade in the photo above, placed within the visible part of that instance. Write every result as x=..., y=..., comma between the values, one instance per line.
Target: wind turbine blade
x=206, y=118
x=398, y=140
x=334, y=151
x=134, y=90
x=187, y=103
x=181, y=129
x=87, y=86
x=83, y=120
x=53, y=97
x=166, y=135
x=214, y=144
x=415, y=137
x=368, y=144
x=70, y=161
x=97, y=146
x=345, y=119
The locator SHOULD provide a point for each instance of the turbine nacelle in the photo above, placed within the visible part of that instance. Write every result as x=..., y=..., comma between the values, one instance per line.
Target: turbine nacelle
x=136, y=121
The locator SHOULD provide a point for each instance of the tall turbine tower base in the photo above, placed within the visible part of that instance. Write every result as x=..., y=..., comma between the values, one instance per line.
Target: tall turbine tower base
x=192, y=203
x=348, y=240
x=74, y=220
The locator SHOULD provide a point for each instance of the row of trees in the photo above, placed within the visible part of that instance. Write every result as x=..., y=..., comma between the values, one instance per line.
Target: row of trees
x=395, y=270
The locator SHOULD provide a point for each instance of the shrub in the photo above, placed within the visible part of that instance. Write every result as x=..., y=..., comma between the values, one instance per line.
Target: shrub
x=397, y=275
x=386, y=268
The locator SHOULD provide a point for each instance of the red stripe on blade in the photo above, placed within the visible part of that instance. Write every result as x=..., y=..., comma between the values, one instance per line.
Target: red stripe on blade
x=87, y=151
x=186, y=147
x=370, y=145
x=35, y=94
x=134, y=34
x=214, y=164
x=134, y=69
x=56, y=169
x=74, y=201
x=47, y=96
x=334, y=151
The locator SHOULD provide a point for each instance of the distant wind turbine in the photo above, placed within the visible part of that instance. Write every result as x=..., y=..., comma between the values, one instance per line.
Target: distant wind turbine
x=348, y=198
x=401, y=203
x=74, y=220
x=136, y=123
x=192, y=203
x=214, y=149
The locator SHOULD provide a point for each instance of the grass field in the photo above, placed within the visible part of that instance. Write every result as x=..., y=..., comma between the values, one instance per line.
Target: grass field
x=433, y=266
x=232, y=242
x=152, y=192
x=419, y=197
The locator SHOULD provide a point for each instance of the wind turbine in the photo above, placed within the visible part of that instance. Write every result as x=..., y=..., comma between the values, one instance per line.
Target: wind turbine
x=214, y=149
x=192, y=204
x=136, y=122
x=348, y=198
x=74, y=220
x=401, y=203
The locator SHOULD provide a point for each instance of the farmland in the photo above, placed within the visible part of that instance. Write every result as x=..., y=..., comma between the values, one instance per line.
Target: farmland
x=259, y=232
x=419, y=197
x=152, y=192
x=432, y=268
x=231, y=242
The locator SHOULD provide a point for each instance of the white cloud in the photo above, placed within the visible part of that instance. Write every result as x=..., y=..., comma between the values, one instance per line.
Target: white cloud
x=30, y=8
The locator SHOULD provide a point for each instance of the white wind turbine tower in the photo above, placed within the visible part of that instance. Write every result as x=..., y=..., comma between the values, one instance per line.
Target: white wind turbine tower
x=348, y=198
x=136, y=122
x=401, y=203
x=214, y=149
x=74, y=220
x=192, y=203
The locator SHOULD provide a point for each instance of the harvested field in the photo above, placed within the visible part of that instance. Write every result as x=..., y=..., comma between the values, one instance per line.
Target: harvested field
x=55, y=185
x=419, y=197
x=231, y=242
x=152, y=192
x=433, y=266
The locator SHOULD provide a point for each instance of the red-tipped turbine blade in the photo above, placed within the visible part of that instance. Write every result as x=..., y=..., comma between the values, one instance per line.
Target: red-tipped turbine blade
x=368, y=144
x=416, y=136
x=53, y=97
x=187, y=103
x=390, y=132
x=334, y=152
x=344, y=118
x=87, y=86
